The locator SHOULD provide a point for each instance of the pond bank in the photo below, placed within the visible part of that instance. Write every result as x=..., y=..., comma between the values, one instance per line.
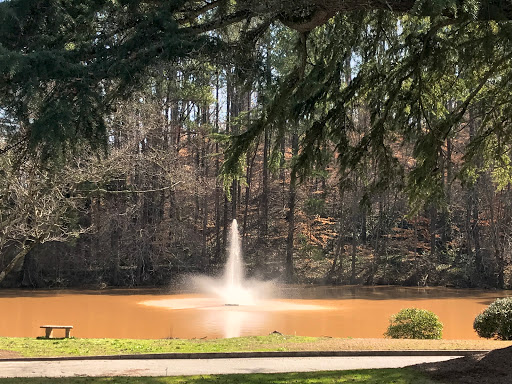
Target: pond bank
x=31, y=347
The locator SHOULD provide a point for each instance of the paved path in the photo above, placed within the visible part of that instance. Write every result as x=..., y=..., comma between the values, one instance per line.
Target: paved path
x=173, y=367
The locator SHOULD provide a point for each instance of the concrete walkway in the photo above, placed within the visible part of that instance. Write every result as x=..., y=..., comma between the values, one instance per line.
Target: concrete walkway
x=178, y=367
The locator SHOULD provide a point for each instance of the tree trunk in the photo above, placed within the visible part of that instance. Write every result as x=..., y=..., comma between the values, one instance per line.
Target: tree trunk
x=229, y=96
x=250, y=167
x=19, y=256
x=266, y=145
x=433, y=231
x=446, y=233
x=354, y=257
x=217, y=187
x=474, y=210
x=235, y=187
x=337, y=271
x=265, y=192
x=115, y=254
x=364, y=228
x=289, y=269
x=495, y=236
x=225, y=223
x=204, y=164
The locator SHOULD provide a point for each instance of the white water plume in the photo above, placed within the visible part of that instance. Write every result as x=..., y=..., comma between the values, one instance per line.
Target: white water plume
x=233, y=292
x=233, y=288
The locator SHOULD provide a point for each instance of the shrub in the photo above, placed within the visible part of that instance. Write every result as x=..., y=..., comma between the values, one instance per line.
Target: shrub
x=414, y=323
x=496, y=320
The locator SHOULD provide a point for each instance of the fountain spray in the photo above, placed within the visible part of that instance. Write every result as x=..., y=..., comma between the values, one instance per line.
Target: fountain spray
x=234, y=272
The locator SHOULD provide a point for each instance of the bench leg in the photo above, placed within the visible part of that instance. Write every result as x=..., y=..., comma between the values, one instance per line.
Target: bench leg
x=68, y=332
x=49, y=332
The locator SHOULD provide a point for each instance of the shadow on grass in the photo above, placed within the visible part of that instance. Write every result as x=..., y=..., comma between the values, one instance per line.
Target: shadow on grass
x=371, y=376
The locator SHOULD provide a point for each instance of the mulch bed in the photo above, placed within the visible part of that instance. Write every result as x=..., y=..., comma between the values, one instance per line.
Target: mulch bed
x=494, y=367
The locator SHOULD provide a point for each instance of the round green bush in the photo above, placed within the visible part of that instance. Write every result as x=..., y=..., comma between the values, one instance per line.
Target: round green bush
x=414, y=323
x=496, y=320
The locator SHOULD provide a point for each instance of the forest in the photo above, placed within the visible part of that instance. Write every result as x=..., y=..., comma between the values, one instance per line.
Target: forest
x=354, y=143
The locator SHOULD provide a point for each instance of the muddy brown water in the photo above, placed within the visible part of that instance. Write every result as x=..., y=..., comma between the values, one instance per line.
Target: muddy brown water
x=315, y=311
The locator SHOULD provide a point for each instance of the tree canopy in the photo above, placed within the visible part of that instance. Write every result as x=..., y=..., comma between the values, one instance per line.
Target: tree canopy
x=419, y=66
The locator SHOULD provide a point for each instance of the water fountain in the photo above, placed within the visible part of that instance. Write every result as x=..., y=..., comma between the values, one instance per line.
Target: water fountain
x=232, y=290
x=232, y=301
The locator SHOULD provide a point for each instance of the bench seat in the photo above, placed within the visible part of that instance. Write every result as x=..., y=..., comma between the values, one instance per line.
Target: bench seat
x=49, y=329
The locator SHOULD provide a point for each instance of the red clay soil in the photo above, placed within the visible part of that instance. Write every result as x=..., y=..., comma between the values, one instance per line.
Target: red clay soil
x=494, y=367
x=8, y=354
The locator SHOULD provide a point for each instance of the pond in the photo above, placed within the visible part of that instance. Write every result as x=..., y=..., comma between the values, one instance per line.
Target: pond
x=358, y=312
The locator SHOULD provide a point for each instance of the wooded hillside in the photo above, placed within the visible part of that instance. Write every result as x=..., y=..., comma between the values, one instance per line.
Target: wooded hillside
x=354, y=146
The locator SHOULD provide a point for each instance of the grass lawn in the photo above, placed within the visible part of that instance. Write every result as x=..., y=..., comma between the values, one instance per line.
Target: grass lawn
x=31, y=347
x=371, y=376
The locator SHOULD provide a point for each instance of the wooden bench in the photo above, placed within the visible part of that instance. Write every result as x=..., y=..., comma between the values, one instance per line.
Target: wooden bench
x=49, y=329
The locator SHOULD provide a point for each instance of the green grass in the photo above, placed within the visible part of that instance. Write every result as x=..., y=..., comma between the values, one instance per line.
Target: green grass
x=31, y=347
x=371, y=376
x=89, y=347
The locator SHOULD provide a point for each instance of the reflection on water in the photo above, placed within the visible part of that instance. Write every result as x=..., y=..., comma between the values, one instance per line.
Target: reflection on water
x=209, y=303
x=315, y=311
x=237, y=320
x=233, y=322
